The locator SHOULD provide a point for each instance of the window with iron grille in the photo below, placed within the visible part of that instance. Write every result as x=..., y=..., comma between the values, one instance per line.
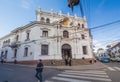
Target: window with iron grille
x=44, y=49
x=6, y=52
x=26, y=51
x=45, y=33
x=15, y=53
x=84, y=50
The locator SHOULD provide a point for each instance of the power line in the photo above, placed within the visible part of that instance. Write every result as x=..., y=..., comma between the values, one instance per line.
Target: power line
x=107, y=27
x=105, y=24
x=86, y=11
x=116, y=40
x=81, y=9
x=108, y=41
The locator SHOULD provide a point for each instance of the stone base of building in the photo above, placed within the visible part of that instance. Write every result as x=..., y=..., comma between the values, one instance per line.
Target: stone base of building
x=58, y=62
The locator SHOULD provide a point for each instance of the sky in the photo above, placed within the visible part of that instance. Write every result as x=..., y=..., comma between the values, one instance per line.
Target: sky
x=16, y=13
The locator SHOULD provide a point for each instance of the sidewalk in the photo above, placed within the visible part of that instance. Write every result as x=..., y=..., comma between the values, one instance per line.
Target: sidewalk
x=95, y=66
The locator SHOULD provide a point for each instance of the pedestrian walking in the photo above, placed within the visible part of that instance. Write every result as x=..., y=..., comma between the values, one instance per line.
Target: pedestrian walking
x=39, y=70
x=69, y=61
x=66, y=60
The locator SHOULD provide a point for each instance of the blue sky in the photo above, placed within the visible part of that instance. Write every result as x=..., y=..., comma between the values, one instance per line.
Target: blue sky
x=17, y=13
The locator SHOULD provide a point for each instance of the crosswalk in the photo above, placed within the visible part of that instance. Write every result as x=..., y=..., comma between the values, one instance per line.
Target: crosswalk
x=113, y=68
x=81, y=76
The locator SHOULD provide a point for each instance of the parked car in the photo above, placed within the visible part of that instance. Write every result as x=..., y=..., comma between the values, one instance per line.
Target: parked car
x=105, y=60
x=113, y=59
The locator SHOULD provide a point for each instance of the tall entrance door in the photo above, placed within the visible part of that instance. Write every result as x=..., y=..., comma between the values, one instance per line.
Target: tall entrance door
x=66, y=51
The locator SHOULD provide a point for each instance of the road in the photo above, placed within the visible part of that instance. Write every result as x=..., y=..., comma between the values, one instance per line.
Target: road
x=15, y=73
x=113, y=70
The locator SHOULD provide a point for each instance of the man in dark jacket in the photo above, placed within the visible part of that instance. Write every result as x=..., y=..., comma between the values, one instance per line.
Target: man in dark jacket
x=39, y=70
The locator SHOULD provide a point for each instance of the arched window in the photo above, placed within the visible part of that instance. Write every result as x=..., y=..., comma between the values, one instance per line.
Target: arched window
x=47, y=20
x=65, y=34
x=42, y=19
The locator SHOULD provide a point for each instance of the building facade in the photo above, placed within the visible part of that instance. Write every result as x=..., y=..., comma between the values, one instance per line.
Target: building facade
x=51, y=36
x=114, y=50
x=100, y=52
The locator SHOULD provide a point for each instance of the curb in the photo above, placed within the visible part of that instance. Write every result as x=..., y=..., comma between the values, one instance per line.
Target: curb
x=96, y=66
x=19, y=65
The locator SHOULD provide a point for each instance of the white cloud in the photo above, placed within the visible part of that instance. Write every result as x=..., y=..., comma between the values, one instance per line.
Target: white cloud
x=26, y=4
x=97, y=45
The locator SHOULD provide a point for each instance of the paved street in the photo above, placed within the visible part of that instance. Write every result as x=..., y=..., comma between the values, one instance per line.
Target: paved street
x=81, y=76
x=113, y=70
x=110, y=73
x=15, y=73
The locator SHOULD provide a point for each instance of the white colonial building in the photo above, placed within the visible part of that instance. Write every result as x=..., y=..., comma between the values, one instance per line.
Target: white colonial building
x=114, y=50
x=51, y=36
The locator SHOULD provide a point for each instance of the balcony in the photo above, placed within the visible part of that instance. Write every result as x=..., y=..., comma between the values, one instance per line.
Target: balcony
x=5, y=45
x=15, y=44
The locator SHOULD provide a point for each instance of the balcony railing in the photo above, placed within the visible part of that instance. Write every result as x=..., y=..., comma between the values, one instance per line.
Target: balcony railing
x=15, y=44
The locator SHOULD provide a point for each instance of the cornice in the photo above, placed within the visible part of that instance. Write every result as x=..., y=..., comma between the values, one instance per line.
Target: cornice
x=31, y=25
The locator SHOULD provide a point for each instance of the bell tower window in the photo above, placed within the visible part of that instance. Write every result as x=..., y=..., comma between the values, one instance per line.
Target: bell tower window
x=65, y=34
x=47, y=20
